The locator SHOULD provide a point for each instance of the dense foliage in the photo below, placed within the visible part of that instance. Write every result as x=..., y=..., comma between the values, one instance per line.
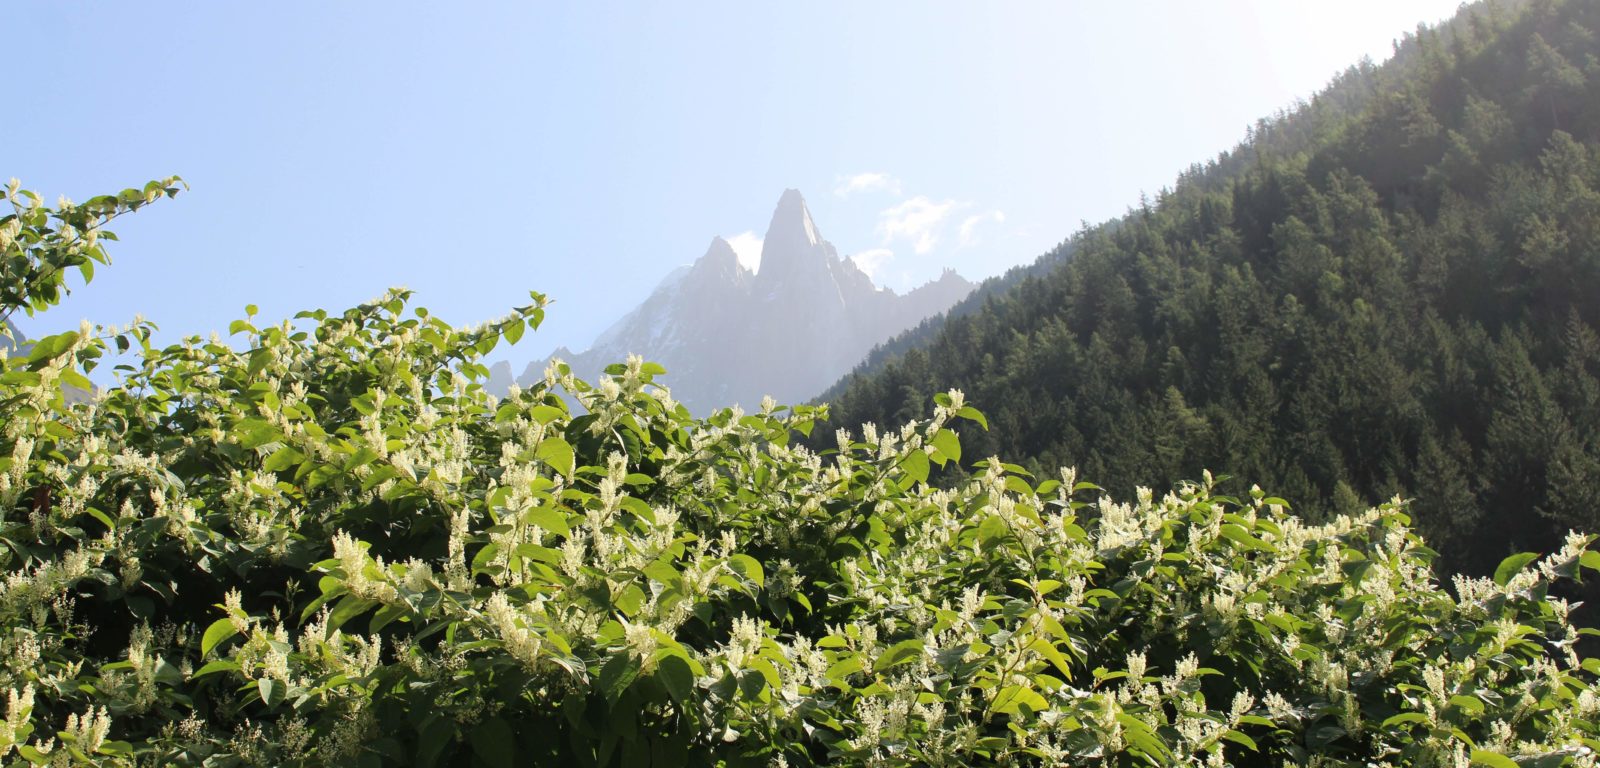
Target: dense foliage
x=1391, y=290
x=328, y=545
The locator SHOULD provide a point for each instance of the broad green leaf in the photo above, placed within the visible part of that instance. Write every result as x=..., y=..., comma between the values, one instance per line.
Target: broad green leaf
x=1143, y=739
x=556, y=452
x=51, y=347
x=948, y=444
x=617, y=674
x=749, y=568
x=76, y=380
x=282, y=459
x=214, y=667
x=1509, y=568
x=903, y=652
x=1013, y=698
x=1492, y=759
x=1240, y=738
x=1405, y=718
x=1048, y=650
x=676, y=676
x=220, y=630
x=254, y=433
x=915, y=465
x=544, y=414
x=1469, y=704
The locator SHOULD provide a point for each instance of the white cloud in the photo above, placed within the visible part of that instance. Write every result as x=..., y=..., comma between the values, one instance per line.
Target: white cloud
x=747, y=246
x=871, y=262
x=971, y=223
x=918, y=220
x=862, y=182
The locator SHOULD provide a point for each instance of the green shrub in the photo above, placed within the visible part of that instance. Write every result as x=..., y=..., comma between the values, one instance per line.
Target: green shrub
x=330, y=545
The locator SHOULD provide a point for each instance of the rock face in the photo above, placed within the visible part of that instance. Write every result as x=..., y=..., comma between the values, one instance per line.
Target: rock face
x=729, y=336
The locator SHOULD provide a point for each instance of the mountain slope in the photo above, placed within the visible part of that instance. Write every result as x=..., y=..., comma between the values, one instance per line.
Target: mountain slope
x=1390, y=291
x=727, y=335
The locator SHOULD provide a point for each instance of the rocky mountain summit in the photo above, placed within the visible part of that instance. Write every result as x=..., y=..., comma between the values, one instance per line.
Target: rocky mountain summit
x=728, y=335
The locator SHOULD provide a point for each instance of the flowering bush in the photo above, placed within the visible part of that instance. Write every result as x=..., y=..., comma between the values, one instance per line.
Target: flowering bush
x=328, y=544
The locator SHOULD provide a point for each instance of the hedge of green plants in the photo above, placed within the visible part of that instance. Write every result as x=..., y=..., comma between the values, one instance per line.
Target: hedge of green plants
x=322, y=542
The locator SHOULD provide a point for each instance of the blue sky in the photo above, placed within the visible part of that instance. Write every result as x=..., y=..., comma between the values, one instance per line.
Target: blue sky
x=475, y=151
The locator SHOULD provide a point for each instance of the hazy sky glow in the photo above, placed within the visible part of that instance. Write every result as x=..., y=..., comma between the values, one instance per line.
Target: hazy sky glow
x=584, y=150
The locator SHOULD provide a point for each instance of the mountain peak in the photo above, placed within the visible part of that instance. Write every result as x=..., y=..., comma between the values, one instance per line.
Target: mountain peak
x=791, y=222
x=722, y=261
x=792, y=240
x=720, y=250
x=729, y=336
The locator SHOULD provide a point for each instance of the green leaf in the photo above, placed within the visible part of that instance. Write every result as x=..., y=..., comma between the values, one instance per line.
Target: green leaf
x=1509, y=568
x=513, y=332
x=948, y=444
x=1048, y=650
x=1240, y=738
x=378, y=476
x=968, y=412
x=102, y=517
x=550, y=519
x=676, y=676
x=1590, y=560
x=1492, y=759
x=544, y=414
x=220, y=630
x=214, y=667
x=76, y=380
x=282, y=459
x=494, y=743
x=1143, y=739
x=992, y=530
x=1405, y=718
x=33, y=755
x=557, y=452
x=915, y=465
x=271, y=690
x=617, y=674
x=346, y=609
x=1011, y=699
x=386, y=615
x=50, y=348
x=844, y=668
x=900, y=653
x=749, y=568
x=1238, y=535
x=254, y=433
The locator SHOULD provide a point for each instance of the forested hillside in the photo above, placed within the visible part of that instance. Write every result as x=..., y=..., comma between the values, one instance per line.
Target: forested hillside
x=1391, y=290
